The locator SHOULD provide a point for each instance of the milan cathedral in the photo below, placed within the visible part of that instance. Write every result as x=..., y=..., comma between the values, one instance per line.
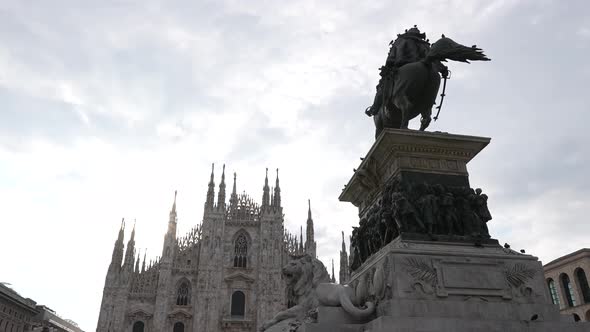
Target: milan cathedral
x=223, y=275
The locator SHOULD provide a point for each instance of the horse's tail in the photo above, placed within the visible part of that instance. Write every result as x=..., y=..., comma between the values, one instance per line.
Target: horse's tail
x=446, y=48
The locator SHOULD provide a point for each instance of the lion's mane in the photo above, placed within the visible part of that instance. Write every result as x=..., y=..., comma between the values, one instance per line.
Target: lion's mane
x=307, y=273
x=303, y=275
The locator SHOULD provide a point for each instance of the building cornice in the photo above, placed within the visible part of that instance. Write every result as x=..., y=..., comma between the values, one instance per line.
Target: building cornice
x=566, y=259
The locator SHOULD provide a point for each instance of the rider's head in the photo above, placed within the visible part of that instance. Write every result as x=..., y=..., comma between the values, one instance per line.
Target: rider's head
x=415, y=33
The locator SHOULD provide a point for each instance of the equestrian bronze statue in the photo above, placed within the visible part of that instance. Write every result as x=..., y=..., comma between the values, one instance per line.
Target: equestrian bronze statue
x=410, y=78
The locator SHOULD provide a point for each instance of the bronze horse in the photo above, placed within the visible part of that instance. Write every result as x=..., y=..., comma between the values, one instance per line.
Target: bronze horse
x=411, y=89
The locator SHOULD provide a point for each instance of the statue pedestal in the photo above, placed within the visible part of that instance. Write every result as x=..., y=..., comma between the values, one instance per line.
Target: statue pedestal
x=435, y=286
x=414, y=185
x=422, y=251
x=415, y=157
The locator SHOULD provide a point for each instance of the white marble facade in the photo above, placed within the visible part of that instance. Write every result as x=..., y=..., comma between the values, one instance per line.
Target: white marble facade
x=223, y=275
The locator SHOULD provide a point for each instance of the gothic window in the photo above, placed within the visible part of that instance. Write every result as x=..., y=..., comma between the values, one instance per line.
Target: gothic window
x=240, y=251
x=183, y=295
x=178, y=327
x=567, y=288
x=238, y=304
x=138, y=327
x=583, y=283
x=553, y=291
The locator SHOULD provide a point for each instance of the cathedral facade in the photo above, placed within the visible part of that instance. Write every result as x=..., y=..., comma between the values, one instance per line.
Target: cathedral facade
x=223, y=275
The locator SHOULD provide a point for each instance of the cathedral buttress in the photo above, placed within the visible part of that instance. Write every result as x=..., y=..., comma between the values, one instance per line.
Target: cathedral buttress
x=165, y=270
x=209, y=278
x=111, y=285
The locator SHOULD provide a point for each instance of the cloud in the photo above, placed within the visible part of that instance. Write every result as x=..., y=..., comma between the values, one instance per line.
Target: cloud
x=106, y=108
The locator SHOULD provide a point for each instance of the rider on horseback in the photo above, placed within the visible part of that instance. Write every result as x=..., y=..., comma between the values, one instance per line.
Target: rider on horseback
x=409, y=47
x=411, y=78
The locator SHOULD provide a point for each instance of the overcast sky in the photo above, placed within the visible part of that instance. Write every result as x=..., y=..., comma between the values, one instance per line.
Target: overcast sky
x=107, y=107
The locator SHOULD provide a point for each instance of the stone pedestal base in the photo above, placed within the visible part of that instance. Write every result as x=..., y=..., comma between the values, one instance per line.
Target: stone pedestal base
x=435, y=286
x=416, y=324
x=443, y=271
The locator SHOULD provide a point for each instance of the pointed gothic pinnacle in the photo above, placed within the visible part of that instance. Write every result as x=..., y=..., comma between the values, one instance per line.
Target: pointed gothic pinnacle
x=234, y=189
x=212, y=171
x=223, y=174
x=333, y=274
x=301, y=237
x=122, y=231
x=277, y=182
x=174, y=204
x=308, y=209
x=266, y=178
x=133, y=230
x=136, y=270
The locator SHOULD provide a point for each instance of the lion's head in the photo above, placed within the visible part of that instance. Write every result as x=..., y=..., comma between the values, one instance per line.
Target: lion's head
x=303, y=274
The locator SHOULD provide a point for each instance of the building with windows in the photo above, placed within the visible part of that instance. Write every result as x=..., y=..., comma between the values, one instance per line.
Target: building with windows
x=16, y=312
x=47, y=320
x=567, y=282
x=19, y=314
x=223, y=275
